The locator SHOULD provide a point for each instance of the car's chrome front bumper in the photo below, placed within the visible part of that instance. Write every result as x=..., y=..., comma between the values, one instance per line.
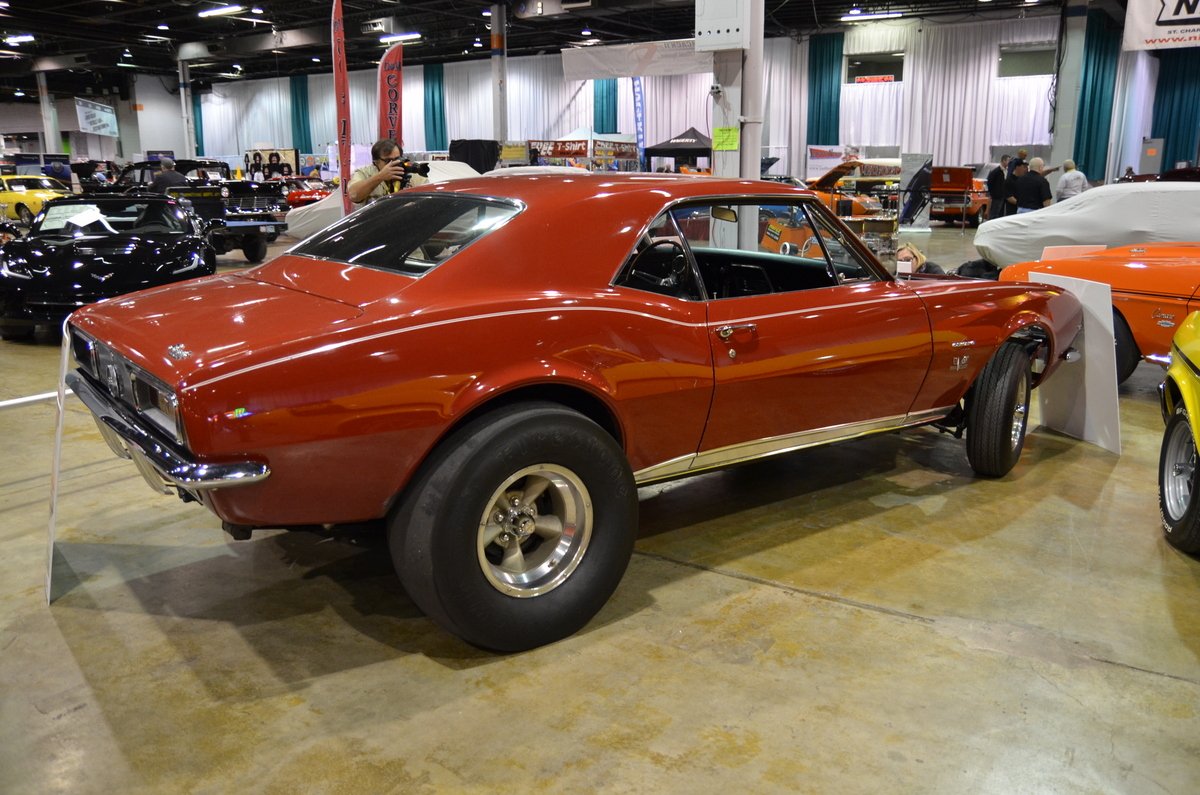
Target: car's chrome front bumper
x=160, y=461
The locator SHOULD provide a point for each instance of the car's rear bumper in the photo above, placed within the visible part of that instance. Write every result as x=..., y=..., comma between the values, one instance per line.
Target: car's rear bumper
x=160, y=461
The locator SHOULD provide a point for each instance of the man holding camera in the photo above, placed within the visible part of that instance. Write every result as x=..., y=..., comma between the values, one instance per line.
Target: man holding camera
x=386, y=174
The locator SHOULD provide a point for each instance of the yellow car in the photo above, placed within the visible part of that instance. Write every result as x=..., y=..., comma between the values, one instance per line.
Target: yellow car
x=21, y=197
x=1179, y=395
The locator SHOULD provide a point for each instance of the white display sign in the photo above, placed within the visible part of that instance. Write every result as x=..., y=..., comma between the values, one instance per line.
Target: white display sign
x=96, y=118
x=1161, y=24
x=678, y=57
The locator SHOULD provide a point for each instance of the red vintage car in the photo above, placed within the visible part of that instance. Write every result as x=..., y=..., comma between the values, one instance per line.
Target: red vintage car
x=495, y=365
x=301, y=191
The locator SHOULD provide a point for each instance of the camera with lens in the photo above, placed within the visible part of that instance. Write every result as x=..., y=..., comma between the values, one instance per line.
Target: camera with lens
x=410, y=167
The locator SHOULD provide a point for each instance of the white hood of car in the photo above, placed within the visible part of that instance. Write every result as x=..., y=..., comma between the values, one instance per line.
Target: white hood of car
x=1110, y=215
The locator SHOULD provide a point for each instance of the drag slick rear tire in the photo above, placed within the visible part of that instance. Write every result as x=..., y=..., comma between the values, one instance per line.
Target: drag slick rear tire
x=1178, y=500
x=517, y=530
x=999, y=412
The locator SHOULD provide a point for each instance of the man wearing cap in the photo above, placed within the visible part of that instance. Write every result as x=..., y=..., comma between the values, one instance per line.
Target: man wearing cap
x=1031, y=189
x=167, y=178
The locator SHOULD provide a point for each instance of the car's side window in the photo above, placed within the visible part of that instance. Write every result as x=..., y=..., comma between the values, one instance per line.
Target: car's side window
x=659, y=263
x=744, y=248
x=847, y=264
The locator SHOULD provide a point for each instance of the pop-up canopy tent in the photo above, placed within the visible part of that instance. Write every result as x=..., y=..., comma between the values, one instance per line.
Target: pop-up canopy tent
x=687, y=146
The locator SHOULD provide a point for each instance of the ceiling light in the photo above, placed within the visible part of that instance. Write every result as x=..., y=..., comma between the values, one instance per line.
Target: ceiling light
x=585, y=32
x=237, y=66
x=128, y=65
x=221, y=11
x=487, y=12
x=477, y=43
x=20, y=38
x=392, y=38
x=256, y=10
x=18, y=92
x=860, y=17
x=855, y=12
x=316, y=60
x=164, y=26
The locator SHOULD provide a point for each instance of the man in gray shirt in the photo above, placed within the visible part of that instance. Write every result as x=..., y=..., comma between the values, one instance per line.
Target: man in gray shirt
x=168, y=177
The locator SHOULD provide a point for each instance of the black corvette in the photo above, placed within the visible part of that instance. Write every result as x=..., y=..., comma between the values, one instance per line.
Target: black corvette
x=91, y=247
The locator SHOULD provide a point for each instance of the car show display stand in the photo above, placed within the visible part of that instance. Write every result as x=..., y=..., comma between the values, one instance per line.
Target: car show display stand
x=1080, y=398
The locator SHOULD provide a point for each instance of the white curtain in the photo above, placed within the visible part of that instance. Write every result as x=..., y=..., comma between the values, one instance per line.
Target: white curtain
x=672, y=102
x=785, y=104
x=871, y=113
x=1133, y=110
x=542, y=104
x=1021, y=110
x=364, y=96
x=240, y=116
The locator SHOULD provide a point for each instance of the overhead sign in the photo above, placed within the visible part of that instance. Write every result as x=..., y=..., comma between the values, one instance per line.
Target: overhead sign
x=1161, y=24
x=678, y=57
x=96, y=118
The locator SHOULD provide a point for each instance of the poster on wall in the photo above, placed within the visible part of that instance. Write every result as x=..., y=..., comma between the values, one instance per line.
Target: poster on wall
x=96, y=118
x=264, y=164
x=314, y=165
x=1159, y=25
x=821, y=159
x=916, y=172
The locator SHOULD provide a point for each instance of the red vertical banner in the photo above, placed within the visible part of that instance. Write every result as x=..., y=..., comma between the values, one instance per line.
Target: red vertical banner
x=391, y=93
x=341, y=92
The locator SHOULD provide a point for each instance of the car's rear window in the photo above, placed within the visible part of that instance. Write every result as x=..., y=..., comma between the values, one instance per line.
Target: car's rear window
x=409, y=234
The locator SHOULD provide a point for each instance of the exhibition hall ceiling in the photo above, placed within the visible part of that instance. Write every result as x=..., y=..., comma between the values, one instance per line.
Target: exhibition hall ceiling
x=90, y=46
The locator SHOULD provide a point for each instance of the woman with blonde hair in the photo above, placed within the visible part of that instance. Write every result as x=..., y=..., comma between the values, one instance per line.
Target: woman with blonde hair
x=913, y=261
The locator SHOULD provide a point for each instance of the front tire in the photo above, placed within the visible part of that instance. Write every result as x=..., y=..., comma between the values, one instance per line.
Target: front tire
x=1128, y=355
x=1177, y=493
x=999, y=412
x=25, y=214
x=979, y=217
x=255, y=249
x=519, y=527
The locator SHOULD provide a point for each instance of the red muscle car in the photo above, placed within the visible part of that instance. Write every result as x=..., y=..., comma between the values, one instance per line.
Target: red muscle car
x=495, y=365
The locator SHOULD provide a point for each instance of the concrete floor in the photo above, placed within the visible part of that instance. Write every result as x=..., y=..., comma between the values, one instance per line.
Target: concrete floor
x=862, y=618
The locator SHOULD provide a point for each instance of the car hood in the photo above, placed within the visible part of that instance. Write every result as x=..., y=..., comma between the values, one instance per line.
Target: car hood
x=221, y=323
x=104, y=264
x=1171, y=268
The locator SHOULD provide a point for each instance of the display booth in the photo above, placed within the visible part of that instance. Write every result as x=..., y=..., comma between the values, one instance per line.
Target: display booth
x=686, y=148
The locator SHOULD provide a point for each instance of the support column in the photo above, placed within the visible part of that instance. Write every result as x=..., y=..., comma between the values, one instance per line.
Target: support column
x=1067, y=86
x=185, y=105
x=499, y=74
x=51, y=135
x=752, y=98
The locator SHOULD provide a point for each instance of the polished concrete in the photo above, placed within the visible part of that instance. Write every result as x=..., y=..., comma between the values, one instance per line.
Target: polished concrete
x=862, y=618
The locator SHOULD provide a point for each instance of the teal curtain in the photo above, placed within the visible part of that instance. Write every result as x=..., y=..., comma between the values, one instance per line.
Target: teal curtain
x=435, y=109
x=824, y=87
x=198, y=120
x=301, y=128
x=1101, y=49
x=1177, y=105
x=605, y=112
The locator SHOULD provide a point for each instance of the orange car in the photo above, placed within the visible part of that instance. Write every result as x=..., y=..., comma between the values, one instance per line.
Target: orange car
x=834, y=194
x=1154, y=287
x=957, y=195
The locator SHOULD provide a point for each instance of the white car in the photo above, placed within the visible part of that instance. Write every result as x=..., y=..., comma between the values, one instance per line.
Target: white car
x=312, y=218
x=1110, y=215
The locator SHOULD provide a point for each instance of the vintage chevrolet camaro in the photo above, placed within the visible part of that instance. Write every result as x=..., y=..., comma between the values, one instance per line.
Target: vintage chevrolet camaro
x=495, y=365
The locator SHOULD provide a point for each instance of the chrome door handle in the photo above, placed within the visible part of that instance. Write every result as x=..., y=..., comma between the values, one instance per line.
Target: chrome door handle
x=725, y=332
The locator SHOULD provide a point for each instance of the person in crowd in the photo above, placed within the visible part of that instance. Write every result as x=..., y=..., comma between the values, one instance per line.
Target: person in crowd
x=1031, y=189
x=1023, y=155
x=168, y=177
x=1017, y=168
x=910, y=259
x=995, y=187
x=383, y=176
x=1072, y=183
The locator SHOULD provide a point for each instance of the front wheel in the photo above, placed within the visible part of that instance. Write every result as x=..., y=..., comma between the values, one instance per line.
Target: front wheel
x=999, y=412
x=255, y=249
x=519, y=527
x=978, y=217
x=1177, y=503
x=25, y=214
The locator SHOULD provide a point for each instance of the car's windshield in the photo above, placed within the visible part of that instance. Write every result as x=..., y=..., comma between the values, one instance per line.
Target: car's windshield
x=108, y=218
x=411, y=233
x=36, y=183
